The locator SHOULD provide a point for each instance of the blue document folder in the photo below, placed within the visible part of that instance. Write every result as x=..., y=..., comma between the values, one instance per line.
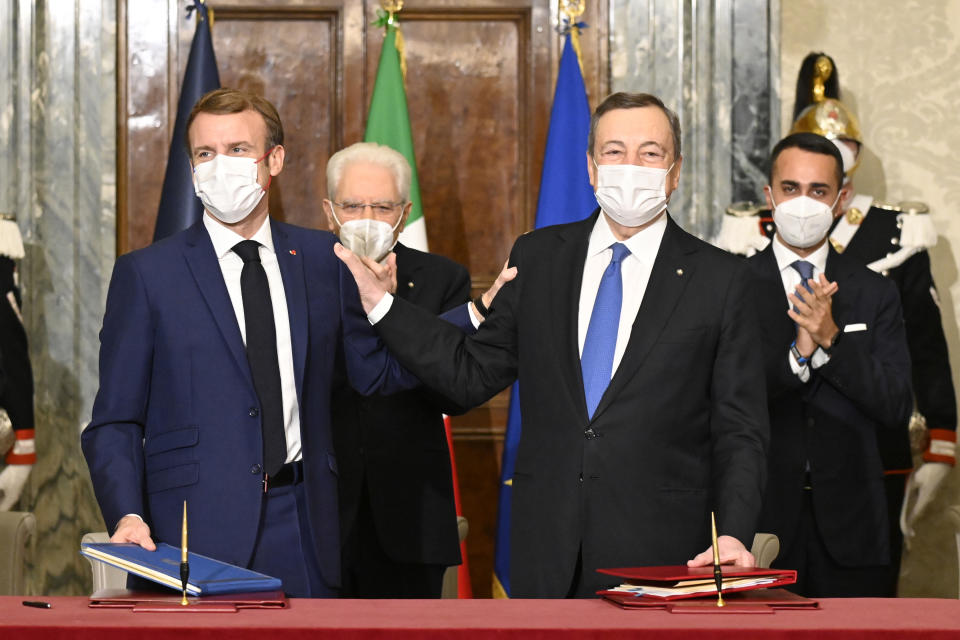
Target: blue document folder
x=207, y=576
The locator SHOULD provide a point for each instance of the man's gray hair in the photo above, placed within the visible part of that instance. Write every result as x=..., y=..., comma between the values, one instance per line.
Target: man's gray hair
x=369, y=153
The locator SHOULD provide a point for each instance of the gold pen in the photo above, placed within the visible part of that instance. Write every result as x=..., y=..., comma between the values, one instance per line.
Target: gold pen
x=717, y=573
x=184, y=565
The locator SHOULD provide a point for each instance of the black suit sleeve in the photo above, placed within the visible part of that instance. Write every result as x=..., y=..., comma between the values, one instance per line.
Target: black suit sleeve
x=467, y=369
x=739, y=421
x=456, y=293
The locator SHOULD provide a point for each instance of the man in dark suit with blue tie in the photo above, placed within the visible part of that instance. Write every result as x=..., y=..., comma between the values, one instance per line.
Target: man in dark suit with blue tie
x=218, y=351
x=838, y=372
x=641, y=390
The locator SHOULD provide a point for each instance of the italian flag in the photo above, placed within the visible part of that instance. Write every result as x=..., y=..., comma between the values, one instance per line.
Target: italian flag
x=389, y=124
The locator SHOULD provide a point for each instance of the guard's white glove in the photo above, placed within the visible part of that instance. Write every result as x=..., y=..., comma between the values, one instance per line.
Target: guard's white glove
x=12, y=479
x=921, y=489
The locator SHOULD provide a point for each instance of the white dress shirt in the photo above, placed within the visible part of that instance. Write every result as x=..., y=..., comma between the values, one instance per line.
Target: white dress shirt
x=635, y=270
x=791, y=280
x=231, y=265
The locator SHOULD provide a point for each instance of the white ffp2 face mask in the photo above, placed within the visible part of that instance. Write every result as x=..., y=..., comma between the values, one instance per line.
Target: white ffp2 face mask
x=802, y=221
x=631, y=195
x=228, y=187
x=368, y=237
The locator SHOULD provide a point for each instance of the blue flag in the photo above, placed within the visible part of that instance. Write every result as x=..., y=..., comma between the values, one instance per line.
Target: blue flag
x=179, y=206
x=565, y=196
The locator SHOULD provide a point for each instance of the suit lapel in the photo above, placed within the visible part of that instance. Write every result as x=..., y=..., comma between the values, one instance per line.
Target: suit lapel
x=408, y=269
x=571, y=254
x=203, y=264
x=290, y=259
x=673, y=267
x=772, y=300
x=838, y=270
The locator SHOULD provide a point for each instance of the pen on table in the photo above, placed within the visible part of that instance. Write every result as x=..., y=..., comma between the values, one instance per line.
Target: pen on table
x=717, y=573
x=184, y=565
x=36, y=604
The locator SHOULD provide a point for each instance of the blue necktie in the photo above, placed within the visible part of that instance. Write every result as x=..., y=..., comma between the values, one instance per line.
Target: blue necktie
x=805, y=269
x=596, y=363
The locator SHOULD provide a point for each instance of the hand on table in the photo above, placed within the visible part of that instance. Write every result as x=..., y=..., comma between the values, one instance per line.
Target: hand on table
x=133, y=529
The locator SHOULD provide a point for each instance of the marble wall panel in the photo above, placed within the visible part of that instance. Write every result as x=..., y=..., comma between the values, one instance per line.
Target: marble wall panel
x=59, y=179
x=713, y=62
x=897, y=63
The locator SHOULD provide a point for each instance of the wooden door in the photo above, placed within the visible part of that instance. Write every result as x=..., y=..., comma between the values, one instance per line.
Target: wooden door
x=479, y=87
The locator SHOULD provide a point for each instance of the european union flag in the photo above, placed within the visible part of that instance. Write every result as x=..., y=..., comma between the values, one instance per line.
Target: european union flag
x=179, y=206
x=565, y=196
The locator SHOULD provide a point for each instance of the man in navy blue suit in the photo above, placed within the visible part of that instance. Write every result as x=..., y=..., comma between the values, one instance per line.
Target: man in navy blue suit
x=838, y=374
x=187, y=408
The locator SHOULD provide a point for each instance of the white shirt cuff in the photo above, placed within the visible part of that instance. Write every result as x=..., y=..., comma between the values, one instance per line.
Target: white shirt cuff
x=376, y=314
x=802, y=371
x=473, y=316
x=819, y=358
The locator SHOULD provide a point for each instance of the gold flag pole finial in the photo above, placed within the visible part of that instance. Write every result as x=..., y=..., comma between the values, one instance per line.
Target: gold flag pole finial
x=822, y=70
x=572, y=10
x=393, y=7
x=194, y=7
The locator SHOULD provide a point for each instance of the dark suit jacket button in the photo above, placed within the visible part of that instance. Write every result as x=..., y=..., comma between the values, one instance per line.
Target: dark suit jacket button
x=255, y=469
x=810, y=422
x=589, y=433
x=254, y=412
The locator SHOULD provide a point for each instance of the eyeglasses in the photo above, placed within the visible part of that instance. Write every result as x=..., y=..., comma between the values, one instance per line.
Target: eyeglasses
x=378, y=208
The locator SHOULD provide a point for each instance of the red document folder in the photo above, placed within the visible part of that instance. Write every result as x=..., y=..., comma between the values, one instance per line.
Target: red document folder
x=681, y=575
x=756, y=601
x=154, y=602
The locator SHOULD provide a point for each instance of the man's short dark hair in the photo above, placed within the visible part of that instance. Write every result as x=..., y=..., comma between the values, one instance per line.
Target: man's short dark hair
x=226, y=101
x=622, y=100
x=808, y=142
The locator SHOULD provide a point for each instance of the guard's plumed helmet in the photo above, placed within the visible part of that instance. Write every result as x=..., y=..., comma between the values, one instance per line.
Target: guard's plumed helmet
x=818, y=108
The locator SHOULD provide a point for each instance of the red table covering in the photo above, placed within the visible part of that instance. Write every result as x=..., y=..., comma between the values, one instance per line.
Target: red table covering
x=470, y=619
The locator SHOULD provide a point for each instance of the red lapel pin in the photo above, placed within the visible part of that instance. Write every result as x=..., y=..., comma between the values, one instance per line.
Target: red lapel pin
x=293, y=252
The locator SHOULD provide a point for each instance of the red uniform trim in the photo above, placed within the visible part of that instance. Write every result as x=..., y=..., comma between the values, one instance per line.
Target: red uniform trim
x=20, y=458
x=943, y=435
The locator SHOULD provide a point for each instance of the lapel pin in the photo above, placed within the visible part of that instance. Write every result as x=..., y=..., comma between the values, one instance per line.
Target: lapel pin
x=293, y=252
x=410, y=284
x=679, y=272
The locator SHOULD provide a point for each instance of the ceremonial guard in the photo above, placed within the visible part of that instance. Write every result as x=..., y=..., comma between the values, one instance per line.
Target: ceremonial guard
x=16, y=375
x=891, y=239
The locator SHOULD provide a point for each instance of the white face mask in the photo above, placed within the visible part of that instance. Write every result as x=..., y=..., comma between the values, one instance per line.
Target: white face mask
x=368, y=237
x=228, y=187
x=802, y=221
x=631, y=195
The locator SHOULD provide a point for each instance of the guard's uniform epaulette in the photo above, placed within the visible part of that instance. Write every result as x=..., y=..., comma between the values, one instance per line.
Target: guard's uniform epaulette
x=740, y=231
x=884, y=235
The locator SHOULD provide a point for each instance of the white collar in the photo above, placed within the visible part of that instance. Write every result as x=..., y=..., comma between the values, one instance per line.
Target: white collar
x=224, y=238
x=643, y=245
x=786, y=257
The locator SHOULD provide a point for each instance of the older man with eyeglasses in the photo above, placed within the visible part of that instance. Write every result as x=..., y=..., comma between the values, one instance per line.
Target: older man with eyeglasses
x=397, y=512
